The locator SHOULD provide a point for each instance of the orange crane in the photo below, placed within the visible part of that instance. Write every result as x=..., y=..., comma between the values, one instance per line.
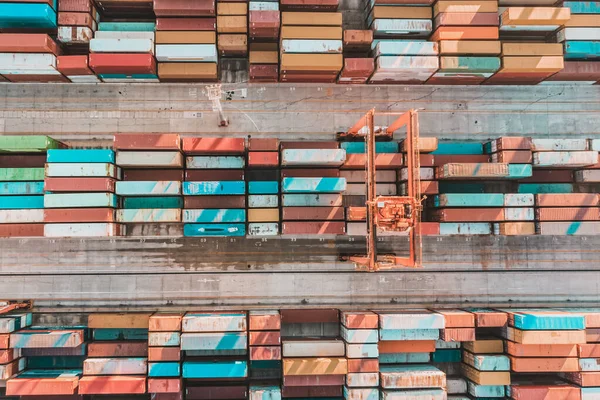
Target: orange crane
x=7, y=306
x=391, y=213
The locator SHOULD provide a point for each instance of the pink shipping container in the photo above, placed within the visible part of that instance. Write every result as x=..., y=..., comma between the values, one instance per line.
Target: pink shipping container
x=146, y=141
x=164, y=385
x=568, y=228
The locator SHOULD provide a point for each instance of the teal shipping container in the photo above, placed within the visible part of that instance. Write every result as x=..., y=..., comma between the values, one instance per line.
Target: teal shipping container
x=120, y=334
x=409, y=334
x=546, y=321
x=465, y=228
x=21, y=202
x=207, y=188
x=21, y=188
x=263, y=201
x=27, y=16
x=363, y=393
x=263, y=229
x=311, y=200
x=148, y=188
x=539, y=188
x=76, y=200
x=456, y=147
x=164, y=369
x=473, y=65
x=263, y=187
x=91, y=170
x=203, y=230
x=222, y=215
x=446, y=355
x=127, y=26
x=405, y=358
x=360, y=147
x=582, y=50
x=263, y=392
x=215, y=162
x=519, y=171
x=485, y=391
x=54, y=362
x=214, y=341
x=80, y=156
x=152, y=202
x=469, y=200
x=313, y=185
x=583, y=7
x=487, y=362
x=215, y=369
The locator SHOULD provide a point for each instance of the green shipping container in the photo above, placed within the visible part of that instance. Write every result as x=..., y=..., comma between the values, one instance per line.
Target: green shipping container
x=28, y=144
x=21, y=174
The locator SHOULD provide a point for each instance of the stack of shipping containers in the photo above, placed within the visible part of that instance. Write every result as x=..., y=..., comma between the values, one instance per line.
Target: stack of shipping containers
x=215, y=363
x=311, y=199
x=22, y=160
x=117, y=360
x=214, y=188
x=401, y=55
x=232, y=28
x=186, y=40
x=80, y=195
x=264, y=19
x=264, y=339
x=263, y=186
x=164, y=356
x=77, y=22
x=467, y=34
x=358, y=65
x=311, y=46
x=150, y=194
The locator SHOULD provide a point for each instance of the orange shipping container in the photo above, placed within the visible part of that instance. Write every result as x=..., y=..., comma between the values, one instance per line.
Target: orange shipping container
x=465, y=33
x=187, y=71
x=264, y=338
x=165, y=322
x=490, y=319
x=457, y=334
x=406, y=346
x=382, y=161
x=232, y=8
x=60, y=386
x=585, y=379
x=112, y=385
x=164, y=354
x=516, y=228
x=545, y=391
x=532, y=49
x=311, y=32
x=568, y=214
x=315, y=366
x=519, y=364
x=462, y=47
x=589, y=350
x=532, y=64
x=583, y=21
x=545, y=337
x=485, y=378
x=541, y=350
x=363, y=365
x=359, y=320
x=465, y=6
x=264, y=322
x=232, y=24
x=458, y=319
x=119, y=321
x=485, y=346
x=536, y=15
x=312, y=18
x=311, y=62
x=568, y=200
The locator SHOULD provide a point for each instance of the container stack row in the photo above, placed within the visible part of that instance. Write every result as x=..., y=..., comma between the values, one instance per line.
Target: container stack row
x=167, y=185
x=306, y=353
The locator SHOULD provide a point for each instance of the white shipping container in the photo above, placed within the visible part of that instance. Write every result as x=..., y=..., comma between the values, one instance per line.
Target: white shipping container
x=519, y=214
x=149, y=159
x=186, y=52
x=11, y=62
x=565, y=158
x=82, y=230
x=81, y=170
x=591, y=34
x=84, y=79
x=588, y=176
x=427, y=174
x=518, y=200
x=21, y=216
x=313, y=348
x=145, y=46
x=264, y=6
x=74, y=34
x=124, y=35
x=558, y=144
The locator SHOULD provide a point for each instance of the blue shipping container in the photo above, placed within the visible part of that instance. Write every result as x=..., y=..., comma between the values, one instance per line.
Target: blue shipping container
x=454, y=147
x=215, y=369
x=21, y=202
x=313, y=185
x=263, y=187
x=202, y=230
x=21, y=188
x=27, y=15
x=215, y=215
x=360, y=147
x=164, y=369
x=205, y=188
x=80, y=156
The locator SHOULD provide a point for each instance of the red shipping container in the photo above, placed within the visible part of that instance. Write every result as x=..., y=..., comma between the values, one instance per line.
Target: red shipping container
x=285, y=145
x=164, y=385
x=541, y=350
x=186, y=24
x=265, y=353
x=311, y=391
x=190, y=202
x=314, y=380
x=215, y=392
x=167, y=396
x=73, y=65
x=4, y=341
x=264, y=72
x=356, y=214
x=8, y=355
x=204, y=146
x=313, y=228
x=153, y=175
x=430, y=228
x=76, y=19
x=406, y=346
x=118, y=349
x=466, y=19
x=120, y=63
x=511, y=143
x=592, y=335
x=164, y=354
x=76, y=6
x=468, y=214
x=22, y=161
x=21, y=230
x=146, y=141
x=589, y=350
x=315, y=315
x=310, y=5
x=491, y=319
x=567, y=200
x=264, y=338
x=568, y=214
x=112, y=385
x=42, y=386
x=441, y=159
x=28, y=43
x=58, y=397
x=36, y=78
x=264, y=21
x=263, y=144
x=310, y=173
x=457, y=334
x=360, y=320
x=382, y=161
x=578, y=71
x=307, y=78
x=58, y=215
x=313, y=213
x=549, y=176
x=512, y=157
x=554, y=391
x=214, y=175
x=187, y=8
x=263, y=159
x=264, y=322
x=357, y=365
x=358, y=68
